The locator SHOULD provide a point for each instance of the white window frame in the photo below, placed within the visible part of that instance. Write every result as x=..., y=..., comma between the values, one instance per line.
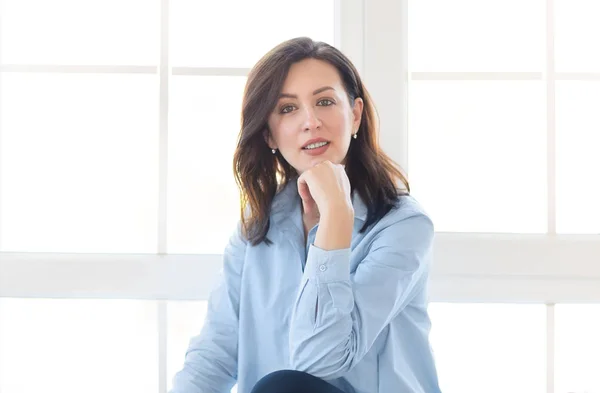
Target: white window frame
x=468, y=267
x=484, y=267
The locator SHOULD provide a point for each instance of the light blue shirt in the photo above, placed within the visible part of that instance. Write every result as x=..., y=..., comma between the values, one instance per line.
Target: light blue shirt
x=355, y=317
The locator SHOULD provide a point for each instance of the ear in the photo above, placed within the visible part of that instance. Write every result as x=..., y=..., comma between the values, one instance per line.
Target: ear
x=357, y=111
x=269, y=139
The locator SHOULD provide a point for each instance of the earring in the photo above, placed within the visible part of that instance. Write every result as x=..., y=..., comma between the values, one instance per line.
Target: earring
x=355, y=135
x=273, y=151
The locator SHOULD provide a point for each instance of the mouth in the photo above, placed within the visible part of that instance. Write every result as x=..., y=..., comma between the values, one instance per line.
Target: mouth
x=316, y=148
x=315, y=145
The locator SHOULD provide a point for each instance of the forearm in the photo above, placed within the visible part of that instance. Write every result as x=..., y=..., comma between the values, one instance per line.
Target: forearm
x=321, y=329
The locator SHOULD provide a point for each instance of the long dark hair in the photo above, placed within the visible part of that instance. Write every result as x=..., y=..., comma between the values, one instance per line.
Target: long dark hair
x=259, y=173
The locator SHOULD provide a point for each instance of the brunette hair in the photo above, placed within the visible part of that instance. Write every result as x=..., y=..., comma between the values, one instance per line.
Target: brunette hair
x=259, y=174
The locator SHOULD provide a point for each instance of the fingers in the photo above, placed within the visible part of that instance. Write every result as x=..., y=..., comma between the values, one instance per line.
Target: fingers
x=303, y=190
x=323, y=182
x=308, y=203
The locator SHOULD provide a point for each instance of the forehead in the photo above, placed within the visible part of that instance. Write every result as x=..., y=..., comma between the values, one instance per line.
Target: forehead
x=311, y=74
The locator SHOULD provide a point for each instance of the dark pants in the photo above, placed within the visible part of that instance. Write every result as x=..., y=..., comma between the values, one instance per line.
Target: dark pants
x=289, y=381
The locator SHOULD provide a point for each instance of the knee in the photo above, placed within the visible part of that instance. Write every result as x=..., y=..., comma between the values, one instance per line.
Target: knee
x=282, y=381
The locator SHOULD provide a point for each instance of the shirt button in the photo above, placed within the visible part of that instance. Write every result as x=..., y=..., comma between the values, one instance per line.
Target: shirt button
x=322, y=268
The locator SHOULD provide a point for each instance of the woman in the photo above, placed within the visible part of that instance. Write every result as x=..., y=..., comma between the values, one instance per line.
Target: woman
x=324, y=284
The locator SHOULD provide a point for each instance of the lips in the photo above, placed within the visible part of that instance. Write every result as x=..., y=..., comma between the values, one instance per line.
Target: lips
x=317, y=151
x=315, y=140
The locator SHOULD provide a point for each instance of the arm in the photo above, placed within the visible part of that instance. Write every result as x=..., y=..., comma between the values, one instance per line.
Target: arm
x=337, y=315
x=211, y=359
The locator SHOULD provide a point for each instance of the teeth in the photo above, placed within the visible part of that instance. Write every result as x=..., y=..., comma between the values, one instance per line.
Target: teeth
x=315, y=145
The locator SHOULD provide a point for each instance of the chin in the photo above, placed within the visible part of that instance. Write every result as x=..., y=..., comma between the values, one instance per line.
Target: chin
x=305, y=164
x=318, y=160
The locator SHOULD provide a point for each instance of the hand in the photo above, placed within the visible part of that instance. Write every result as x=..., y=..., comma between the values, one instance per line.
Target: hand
x=325, y=189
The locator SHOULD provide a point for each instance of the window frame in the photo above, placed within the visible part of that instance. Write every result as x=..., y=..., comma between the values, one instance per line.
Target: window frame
x=468, y=267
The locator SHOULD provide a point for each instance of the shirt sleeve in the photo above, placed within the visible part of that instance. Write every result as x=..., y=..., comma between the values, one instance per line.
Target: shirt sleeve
x=210, y=364
x=338, y=315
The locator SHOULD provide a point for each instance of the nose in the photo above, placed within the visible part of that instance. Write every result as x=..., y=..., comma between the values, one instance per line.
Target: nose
x=311, y=120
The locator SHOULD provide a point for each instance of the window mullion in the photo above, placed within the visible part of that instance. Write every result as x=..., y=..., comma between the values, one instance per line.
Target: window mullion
x=551, y=117
x=162, y=190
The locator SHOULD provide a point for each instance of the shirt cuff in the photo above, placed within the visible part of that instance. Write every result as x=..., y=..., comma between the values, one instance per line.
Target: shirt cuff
x=327, y=266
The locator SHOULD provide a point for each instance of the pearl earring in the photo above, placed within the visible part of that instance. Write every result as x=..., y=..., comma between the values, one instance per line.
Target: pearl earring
x=355, y=135
x=274, y=151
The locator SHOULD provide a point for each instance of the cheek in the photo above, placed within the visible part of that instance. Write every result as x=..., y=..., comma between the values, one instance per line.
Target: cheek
x=283, y=131
x=338, y=122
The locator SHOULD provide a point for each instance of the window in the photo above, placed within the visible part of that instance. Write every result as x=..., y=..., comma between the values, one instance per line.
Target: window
x=475, y=344
x=510, y=148
x=475, y=166
x=37, y=32
x=74, y=345
x=577, y=348
x=115, y=159
x=185, y=320
x=110, y=137
x=79, y=154
x=502, y=135
x=98, y=128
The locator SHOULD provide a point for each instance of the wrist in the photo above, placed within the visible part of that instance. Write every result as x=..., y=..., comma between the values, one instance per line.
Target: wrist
x=338, y=212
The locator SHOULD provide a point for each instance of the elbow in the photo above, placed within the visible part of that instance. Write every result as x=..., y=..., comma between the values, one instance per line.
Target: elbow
x=327, y=366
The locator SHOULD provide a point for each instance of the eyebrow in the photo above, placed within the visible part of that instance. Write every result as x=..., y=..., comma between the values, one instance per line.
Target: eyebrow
x=319, y=90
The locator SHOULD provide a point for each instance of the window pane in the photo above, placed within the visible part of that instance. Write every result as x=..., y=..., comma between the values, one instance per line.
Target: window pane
x=577, y=158
x=492, y=348
x=577, y=348
x=80, y=32
x=73, y=346
x=576, y=35
x=477, y=154
x=79, y=163
x=204, y=122
x=472, y=35
x=245, y=29
x=185, y=320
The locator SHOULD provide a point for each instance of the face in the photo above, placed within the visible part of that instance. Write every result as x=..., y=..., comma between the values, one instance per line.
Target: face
x=313, y=120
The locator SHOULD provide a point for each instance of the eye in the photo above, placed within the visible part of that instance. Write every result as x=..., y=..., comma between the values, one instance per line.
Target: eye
x=325, y=102
x=287, y=109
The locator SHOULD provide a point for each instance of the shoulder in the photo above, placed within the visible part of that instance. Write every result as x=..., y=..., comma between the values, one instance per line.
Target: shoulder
x=406, y=210
x=406, y=225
